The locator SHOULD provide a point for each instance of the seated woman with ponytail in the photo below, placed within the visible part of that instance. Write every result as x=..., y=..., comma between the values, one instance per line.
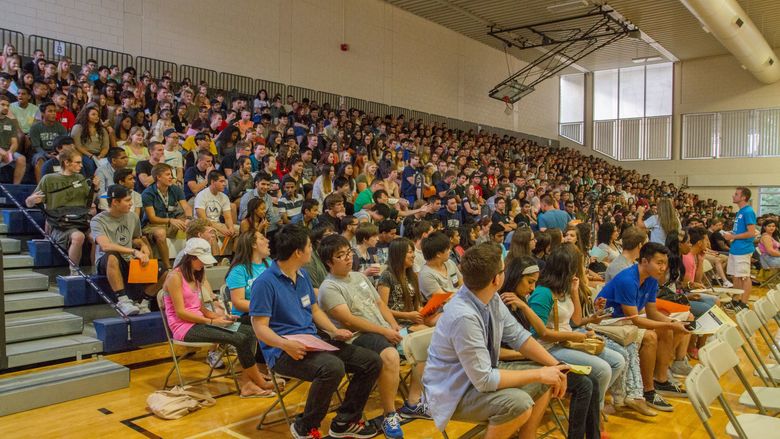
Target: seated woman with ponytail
x=520, y=276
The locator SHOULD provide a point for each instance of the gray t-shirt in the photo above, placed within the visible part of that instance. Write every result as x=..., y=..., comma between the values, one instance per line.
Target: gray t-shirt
x=618, y=265
x=356, y=292
x=120, y=230
x=432, y=281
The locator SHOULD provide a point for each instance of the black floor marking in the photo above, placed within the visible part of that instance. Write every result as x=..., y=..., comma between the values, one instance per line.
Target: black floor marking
x=105, y=411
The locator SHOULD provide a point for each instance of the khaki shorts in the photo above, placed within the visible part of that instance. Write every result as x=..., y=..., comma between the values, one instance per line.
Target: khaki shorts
x=738, y=265
x=501, y=406
x=170, y=231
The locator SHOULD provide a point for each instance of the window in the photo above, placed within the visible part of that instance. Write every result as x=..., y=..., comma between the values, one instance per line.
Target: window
x=632, y=112
x=768, y=200
x=732, y=134
x=572, y=107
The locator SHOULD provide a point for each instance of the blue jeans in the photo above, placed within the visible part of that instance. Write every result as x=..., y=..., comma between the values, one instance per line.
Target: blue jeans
x=607, y=366
x=699, y=307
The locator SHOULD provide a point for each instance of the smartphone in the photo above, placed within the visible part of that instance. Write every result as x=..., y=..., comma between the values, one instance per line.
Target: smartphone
x=691, y=325
x=606, y=312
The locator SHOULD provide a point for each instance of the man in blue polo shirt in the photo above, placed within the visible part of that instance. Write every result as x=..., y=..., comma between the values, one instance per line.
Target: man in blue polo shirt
x=283, y=303
x=742, y=238
x=631, y=293
x=552, y=217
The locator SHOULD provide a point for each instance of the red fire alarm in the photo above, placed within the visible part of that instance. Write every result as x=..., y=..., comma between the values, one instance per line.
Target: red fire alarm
x=344, y=47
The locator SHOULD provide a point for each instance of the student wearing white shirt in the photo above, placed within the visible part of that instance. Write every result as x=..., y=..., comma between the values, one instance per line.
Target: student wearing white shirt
x=212, y=203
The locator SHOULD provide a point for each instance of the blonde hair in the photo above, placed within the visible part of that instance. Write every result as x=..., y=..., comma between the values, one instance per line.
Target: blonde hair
x=667, y=216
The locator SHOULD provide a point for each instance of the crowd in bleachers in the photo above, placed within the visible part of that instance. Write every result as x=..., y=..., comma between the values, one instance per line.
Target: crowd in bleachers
x=356, y=227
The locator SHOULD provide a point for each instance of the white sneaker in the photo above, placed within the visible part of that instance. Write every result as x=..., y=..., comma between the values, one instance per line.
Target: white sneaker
x=74, y=271
x=127, y=306
x=143, y=307
x=727, y=284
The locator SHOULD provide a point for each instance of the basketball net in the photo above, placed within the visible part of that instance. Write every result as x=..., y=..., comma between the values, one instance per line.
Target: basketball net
x=510, y=107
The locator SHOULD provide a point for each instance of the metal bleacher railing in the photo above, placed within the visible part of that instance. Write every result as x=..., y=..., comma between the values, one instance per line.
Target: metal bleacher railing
x=231, y=83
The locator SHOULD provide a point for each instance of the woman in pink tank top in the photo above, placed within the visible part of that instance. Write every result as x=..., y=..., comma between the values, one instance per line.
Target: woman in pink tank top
x=190, y=321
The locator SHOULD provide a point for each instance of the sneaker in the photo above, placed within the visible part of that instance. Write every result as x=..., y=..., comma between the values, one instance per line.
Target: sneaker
x=657, y=402
x=419, y=411
x=741, y=305
x=215, y=360
x=312, y=434
x=391, y=426
x=127, y=306
x=357, y=430
x=732, y=307
x=640, y=406
x=727, y=284
x=670, y=389
x=74, y=271
x=681, y=367
x=143, y=307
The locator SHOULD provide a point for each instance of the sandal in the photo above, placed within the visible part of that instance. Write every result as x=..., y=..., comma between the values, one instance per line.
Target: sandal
x=262, y=394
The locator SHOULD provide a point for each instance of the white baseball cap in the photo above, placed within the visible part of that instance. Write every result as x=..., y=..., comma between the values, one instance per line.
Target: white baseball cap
x=201, y=248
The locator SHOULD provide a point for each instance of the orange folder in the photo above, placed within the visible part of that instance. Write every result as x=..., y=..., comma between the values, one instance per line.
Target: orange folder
x=434, y=303
x=142, y=275
x=668, y=307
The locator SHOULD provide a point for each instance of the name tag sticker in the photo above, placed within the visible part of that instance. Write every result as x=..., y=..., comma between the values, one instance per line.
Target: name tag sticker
x=64, y=120
x=77, y=184
x=306, y=301
x=6, y=127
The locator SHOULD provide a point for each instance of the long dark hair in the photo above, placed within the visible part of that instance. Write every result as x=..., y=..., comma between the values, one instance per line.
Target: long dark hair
x=190, y=275
x=83, y=120
x=243, y=252
x=513, y=274
x=406, y=277
x=559, y=269
x=676, y=266
x=520, y=246
x=251, y=208
x=604, y=235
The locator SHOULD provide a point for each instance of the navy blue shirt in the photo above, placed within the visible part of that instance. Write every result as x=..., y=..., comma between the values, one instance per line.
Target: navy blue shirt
x=192, y=174
x=287, y=304
x=408, y=189
x=624, y=289
x=451, y=220
x=151, y=196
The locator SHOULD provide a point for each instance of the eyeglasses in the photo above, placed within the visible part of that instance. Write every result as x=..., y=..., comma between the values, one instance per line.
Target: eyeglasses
x=344, y=255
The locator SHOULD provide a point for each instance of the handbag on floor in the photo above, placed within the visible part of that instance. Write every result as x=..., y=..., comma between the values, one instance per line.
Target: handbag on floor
x=177, y=402
x=591, y=345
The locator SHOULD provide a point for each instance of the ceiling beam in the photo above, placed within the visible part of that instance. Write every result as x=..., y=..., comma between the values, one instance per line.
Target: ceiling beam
x=488, y=24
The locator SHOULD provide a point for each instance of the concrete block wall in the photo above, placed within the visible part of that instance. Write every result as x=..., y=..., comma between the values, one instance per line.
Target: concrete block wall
x=395, y=57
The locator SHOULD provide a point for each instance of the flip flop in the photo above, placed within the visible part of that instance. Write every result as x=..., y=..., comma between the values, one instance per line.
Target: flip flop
x=264, y=394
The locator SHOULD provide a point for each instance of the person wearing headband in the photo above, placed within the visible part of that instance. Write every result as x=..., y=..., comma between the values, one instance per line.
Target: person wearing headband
x=191, y=321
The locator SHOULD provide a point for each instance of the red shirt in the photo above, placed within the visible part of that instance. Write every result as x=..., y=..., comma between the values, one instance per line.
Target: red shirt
x=66, y=118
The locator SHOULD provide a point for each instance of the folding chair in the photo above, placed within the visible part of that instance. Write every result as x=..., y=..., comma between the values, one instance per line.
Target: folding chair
x=719, y=357
x=703, y=388
x=750, y=324
x=773, y=277
x=172, y=343
x=767, y=311
x=289, y=387
x=730, y=335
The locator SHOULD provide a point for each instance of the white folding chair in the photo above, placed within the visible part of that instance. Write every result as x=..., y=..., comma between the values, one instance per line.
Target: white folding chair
x=172, y=343
x=750, y=324
x=731, y=336
x=703, y=388
x=767, y=312
x=719, y=357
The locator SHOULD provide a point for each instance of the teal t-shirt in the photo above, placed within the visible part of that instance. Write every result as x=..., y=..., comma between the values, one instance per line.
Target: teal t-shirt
x=239, y=278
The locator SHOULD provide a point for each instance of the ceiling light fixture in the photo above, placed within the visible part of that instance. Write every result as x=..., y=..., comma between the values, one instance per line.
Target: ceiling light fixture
x=646, y=59
x=568, y=6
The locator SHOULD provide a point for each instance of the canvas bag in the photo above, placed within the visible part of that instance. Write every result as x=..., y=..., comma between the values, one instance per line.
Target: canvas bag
x=593, y=346
x=177, y=402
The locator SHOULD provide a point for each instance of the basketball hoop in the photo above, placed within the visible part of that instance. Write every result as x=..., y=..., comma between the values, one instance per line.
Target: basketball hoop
x=509, y=106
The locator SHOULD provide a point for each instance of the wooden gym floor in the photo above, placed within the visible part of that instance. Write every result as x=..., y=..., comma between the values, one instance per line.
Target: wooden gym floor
x=123, y=413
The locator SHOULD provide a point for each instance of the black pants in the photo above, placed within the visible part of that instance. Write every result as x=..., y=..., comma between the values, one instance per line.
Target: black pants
x=325, y=370
x=244, y=340
x=584, y=407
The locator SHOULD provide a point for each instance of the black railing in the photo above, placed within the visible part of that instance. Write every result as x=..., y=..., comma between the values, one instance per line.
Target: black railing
x=234, y=83
x=3, y=353
x=74, y=266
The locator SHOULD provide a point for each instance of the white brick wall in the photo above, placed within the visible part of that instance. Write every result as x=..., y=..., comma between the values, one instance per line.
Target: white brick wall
x=395, y=57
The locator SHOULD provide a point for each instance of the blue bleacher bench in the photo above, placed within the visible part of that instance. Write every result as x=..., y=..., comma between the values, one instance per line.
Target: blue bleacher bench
x=146, y=329
x=19, y=225
x=44, y=254
x=20, y=192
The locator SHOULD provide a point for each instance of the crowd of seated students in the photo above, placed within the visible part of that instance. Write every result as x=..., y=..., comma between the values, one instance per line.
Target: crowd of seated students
x=362, y=219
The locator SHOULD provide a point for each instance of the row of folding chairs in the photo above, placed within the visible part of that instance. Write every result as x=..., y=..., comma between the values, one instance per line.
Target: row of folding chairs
x=719, y=356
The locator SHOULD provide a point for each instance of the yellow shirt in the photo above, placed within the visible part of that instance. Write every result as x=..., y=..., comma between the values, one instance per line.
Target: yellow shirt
x=189, y=145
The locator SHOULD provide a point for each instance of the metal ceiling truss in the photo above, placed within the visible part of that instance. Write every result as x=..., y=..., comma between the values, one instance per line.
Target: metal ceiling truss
x=564, y=42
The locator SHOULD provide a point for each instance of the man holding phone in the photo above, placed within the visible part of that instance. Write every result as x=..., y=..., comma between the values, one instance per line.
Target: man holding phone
x=463, y=378
x=631, y=293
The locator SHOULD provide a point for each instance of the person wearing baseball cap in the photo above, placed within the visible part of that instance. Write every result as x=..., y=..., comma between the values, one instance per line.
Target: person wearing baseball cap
x=191, y=321
x=117, y=233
